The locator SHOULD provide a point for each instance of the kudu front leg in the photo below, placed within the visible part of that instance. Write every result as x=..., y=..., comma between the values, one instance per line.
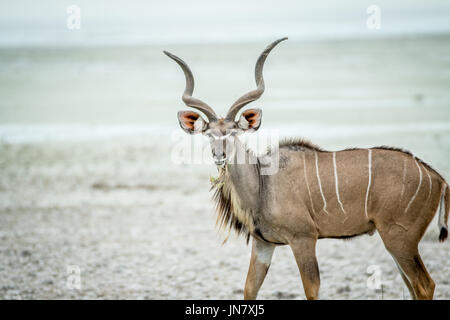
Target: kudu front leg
x=304, y=250
x=259, y=265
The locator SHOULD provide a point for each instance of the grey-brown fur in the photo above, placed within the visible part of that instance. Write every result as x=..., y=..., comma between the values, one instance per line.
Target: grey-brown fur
x=226, y=218
x=300, y=218
x=316, y=193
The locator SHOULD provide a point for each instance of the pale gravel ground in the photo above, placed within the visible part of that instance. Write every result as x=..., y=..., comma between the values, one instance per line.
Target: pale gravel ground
x=141, y=227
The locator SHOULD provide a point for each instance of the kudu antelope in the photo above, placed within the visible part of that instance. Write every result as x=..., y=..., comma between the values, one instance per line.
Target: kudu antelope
x=317, y=194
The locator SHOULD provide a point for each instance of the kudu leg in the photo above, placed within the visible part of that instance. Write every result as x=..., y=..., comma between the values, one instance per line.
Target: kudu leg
x=259, y=265
x=405, y=280
x=305, y=254
x=413, y=271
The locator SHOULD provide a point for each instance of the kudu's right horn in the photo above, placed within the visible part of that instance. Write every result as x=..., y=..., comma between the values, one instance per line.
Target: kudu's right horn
x=187, y=97
x=255, y=94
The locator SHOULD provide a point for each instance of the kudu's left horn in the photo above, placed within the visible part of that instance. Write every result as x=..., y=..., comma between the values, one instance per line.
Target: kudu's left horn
x=255, y=94
x=187, y=97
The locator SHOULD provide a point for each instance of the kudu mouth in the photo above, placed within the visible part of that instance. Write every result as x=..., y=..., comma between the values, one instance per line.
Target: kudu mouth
x=220, y=157
x=221, y=162
x=251, y=96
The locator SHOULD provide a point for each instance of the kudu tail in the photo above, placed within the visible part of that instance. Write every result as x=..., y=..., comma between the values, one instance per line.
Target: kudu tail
x=444, y=209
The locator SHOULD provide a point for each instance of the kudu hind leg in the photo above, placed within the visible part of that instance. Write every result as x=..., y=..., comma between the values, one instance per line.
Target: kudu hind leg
x=259, y=265
x=304, y=250
x=405, y=280
x=412, y=268
x=421, y=281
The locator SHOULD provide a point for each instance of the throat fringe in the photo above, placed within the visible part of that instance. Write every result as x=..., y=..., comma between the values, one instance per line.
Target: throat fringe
x=230, y=214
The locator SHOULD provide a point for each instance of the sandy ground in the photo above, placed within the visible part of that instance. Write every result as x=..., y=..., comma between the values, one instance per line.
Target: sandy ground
x=137, y=225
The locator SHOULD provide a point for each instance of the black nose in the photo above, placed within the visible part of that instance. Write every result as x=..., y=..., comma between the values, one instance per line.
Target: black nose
x=219, y=156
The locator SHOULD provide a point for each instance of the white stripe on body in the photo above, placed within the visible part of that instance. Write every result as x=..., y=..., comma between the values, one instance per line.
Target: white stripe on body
x=418, y=187
x=320, y=184
x=370, y=181
x=307, y=183
x=337, y=182
x=403, y=180
x=430, y=182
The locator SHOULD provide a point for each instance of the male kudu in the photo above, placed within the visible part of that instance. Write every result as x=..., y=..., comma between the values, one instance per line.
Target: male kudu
x=317, y=194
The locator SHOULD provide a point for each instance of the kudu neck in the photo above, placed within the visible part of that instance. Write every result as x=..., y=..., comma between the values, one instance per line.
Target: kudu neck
x=244, y=174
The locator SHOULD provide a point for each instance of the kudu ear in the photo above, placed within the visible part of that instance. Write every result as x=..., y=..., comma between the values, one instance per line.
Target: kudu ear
x=250, y=120
x=191, y=122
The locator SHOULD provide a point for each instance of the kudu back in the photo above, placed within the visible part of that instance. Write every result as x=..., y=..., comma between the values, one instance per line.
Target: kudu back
x=316, y=193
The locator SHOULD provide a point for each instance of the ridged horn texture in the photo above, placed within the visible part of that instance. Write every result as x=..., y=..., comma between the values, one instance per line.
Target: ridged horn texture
x=255, y=94
x=187, y=97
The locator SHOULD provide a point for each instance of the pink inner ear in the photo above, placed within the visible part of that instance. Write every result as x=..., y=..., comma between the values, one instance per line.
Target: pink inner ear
x=189, y=118
x=252, y=117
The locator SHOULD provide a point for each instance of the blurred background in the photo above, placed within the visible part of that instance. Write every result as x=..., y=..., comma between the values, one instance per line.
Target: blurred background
x=88, y=186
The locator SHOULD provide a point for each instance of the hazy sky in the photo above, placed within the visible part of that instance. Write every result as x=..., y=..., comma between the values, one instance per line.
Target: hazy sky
x=143, y=21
